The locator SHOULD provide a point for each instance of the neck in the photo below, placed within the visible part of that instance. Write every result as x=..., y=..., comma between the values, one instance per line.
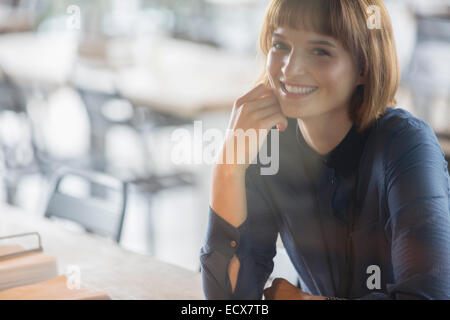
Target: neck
x=323, y=133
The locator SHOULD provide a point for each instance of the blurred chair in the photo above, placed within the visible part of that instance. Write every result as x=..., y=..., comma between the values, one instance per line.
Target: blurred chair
x=16, y=145
x=25, y=152
x=11, y=97
x=94, y=102
x=96, y=215
x=106, y=110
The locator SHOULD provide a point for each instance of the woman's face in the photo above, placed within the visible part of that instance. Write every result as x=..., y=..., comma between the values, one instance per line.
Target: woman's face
x=311, y=74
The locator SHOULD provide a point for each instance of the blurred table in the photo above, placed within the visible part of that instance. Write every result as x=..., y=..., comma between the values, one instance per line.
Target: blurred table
x=104, y=265
x=168, y=75
x=185, y=78
x=38, y=58
x=15, y=19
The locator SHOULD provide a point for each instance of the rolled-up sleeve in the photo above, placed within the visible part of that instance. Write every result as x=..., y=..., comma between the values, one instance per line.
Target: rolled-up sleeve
x=417, y=188
x=253, y=242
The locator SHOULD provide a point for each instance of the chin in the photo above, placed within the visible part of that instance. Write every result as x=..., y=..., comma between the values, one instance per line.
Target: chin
x=296, y=111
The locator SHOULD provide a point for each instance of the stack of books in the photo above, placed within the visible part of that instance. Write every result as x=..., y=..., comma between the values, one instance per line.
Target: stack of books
x=31, y=274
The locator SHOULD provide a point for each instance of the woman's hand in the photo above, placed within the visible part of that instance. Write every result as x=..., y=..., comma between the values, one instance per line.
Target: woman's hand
x=282, y=289
x=258, y=109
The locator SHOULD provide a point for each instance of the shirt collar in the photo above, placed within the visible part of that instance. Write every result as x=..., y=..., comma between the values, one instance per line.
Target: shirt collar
x=344, y=158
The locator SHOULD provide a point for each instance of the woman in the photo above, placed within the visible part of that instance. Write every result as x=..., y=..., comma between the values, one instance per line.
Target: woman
x=361, y=198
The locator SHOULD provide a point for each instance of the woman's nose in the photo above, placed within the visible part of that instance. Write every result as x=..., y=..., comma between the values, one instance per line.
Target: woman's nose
x=294, y=65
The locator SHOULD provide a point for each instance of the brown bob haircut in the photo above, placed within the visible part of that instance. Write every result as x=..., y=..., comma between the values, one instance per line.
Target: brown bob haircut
x=347, y=21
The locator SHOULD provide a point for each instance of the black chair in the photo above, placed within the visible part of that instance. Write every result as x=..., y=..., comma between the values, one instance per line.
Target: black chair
x=96, y=214
x=144, y=121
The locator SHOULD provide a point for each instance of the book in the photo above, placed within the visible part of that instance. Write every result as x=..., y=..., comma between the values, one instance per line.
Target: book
x=27, y=273
x=18, y=267
x=53, y=289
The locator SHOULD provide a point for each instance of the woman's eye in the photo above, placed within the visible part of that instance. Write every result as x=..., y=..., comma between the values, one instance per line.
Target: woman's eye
x=320, y=52
x=279, y=46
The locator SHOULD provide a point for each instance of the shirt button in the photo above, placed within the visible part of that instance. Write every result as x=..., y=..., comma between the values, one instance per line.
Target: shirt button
x=233, y=244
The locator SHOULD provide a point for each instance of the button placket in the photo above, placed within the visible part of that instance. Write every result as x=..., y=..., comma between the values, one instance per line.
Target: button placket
x=332, y=176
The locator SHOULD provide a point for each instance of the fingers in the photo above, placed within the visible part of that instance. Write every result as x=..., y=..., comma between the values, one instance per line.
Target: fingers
x=278, y=281
x=259, y=108
x=248, y=107
x=270, y=292
x=259, y=103
x=282, y=127
x=266, y=112
x=266, y=118
x=278, y=290
x=255, y=93
x=277, y=119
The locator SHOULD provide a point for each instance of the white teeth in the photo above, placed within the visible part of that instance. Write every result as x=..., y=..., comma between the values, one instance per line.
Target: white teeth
x=299, y=90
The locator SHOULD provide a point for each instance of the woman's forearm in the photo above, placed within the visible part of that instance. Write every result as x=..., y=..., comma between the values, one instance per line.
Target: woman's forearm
x=256, y=110
x=228, y=200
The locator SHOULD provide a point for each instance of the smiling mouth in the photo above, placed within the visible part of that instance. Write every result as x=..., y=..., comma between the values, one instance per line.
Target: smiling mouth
x=297, y=90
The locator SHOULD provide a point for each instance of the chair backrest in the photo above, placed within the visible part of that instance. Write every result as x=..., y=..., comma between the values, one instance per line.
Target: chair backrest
x=11, y=94
x=96, y=214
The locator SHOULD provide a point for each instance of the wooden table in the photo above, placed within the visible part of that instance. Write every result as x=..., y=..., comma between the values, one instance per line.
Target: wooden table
x=104, y=265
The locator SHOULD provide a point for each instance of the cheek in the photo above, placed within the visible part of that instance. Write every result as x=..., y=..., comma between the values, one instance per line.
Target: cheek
x=273, y=67
x=336, y=76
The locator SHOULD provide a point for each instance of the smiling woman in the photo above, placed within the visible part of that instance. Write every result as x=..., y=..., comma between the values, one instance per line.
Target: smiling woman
x=361, y=185
x=335, y=33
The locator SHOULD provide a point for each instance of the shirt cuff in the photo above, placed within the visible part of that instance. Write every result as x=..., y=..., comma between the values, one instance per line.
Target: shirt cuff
x=224, y=238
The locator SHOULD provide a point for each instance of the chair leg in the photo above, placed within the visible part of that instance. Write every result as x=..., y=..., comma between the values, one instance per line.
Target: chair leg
x=11, y=194
x=150, y=233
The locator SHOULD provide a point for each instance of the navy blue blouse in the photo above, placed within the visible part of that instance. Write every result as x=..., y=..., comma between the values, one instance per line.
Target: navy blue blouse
x=379, y=201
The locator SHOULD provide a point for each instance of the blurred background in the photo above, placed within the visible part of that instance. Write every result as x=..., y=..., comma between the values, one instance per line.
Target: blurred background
x=100, y=86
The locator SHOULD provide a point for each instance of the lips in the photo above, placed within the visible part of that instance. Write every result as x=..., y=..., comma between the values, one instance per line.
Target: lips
x=293, y=90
